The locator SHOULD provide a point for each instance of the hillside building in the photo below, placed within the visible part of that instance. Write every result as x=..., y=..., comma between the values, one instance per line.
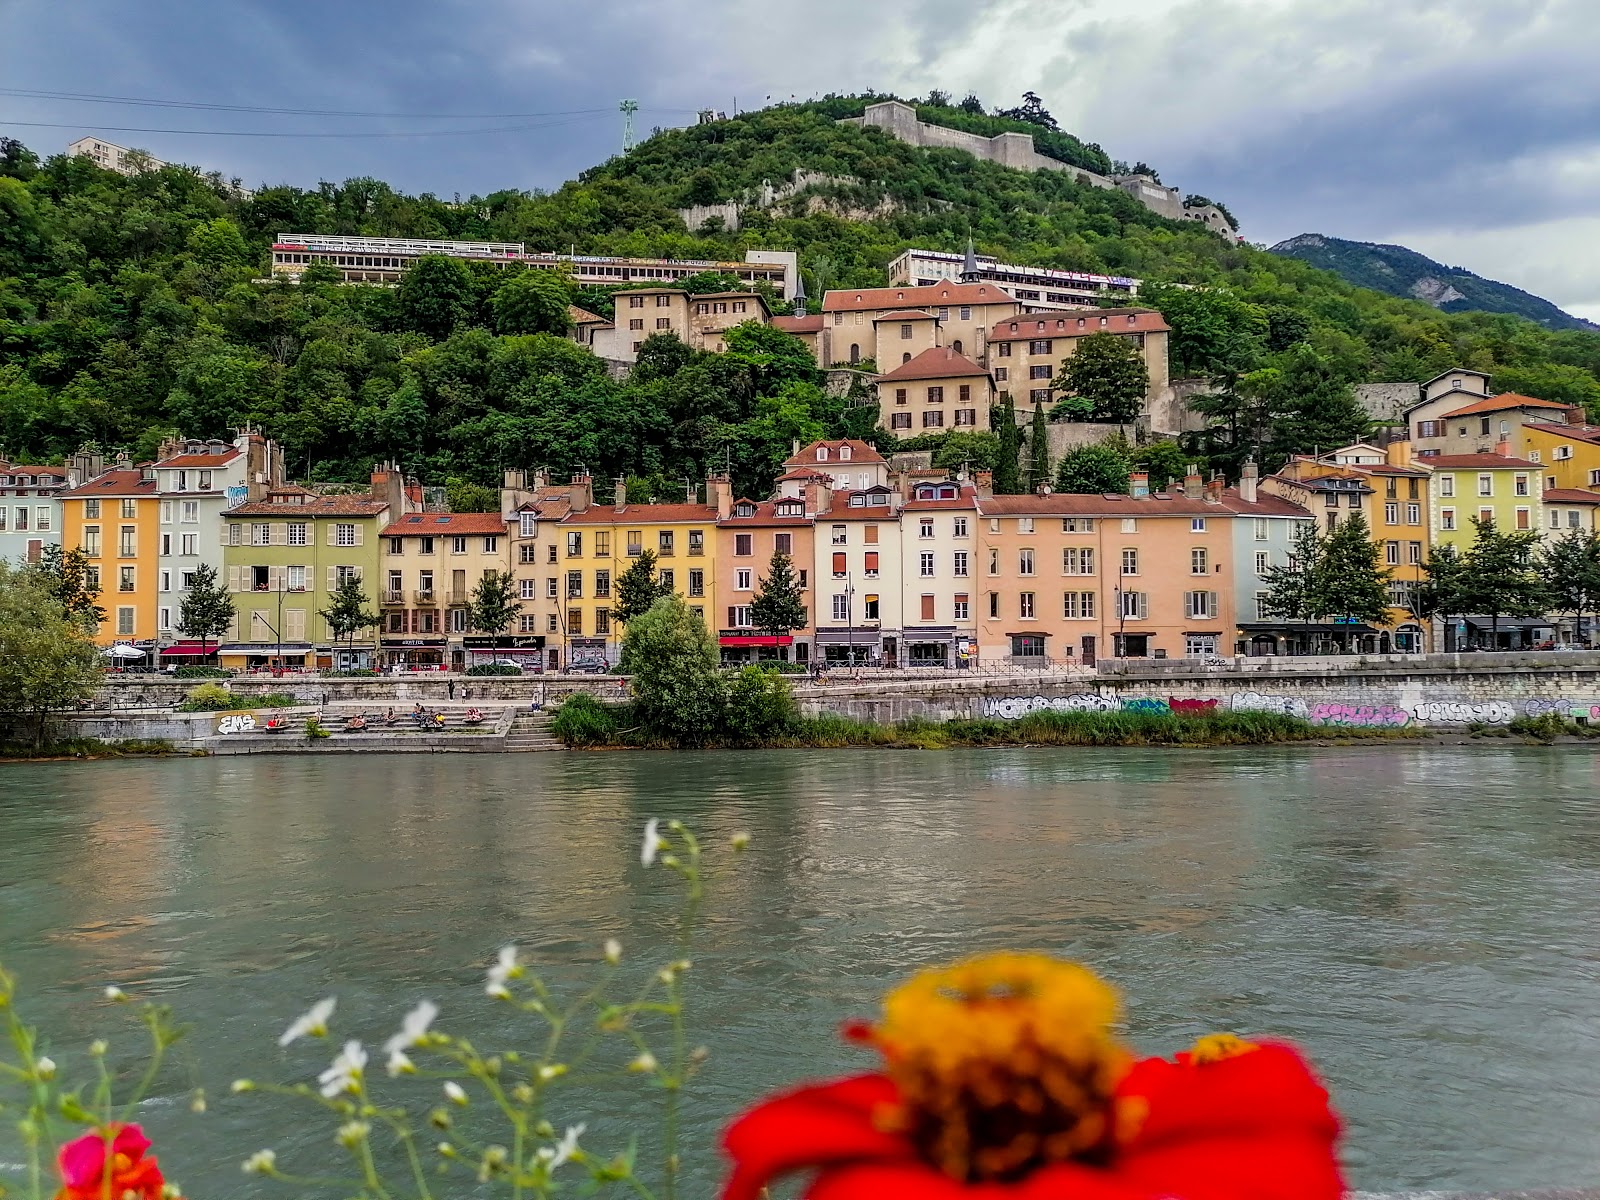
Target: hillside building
x=939, y=389
x=925, y=268
x=1025, y=351
x=121, y=159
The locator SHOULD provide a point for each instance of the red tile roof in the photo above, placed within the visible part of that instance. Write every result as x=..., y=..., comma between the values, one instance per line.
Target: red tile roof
x=765, y=514
x=1500, y=403
x=806, y=324
x=839, y=507
x=938, y=294
x=938, y=362
x=1569, y=496
x=1465, y=461
x=321, y=506
x=582, y=316
x=1069, y=505
x=905, y=314
x=1265, y=505
x=199, y=460
x=439, y=524
x=1079, y=324
x=27, y=469
x=1578, y=433
x=860, y=452
x=124, y=482
x=805, y=473
x=644, y=514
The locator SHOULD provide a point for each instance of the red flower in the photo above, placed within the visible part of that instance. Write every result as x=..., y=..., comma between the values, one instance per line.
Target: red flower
x=1252, y=1127
x=88, y=1174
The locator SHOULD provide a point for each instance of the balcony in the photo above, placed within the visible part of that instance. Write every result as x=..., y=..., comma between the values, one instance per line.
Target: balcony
x=426, y=596
x=459, y=597
x=393, y=596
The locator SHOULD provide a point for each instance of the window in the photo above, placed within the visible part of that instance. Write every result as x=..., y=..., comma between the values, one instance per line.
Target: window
x=527, y=589
x=871, y=564
x=927, y=609
x=1200, y=606
x=963, y=608
x=925, y=564
x=552, y=588
x=743, y=545
x=1077, y=560
x=1039, y=395
x=1077, y=606
x=1002, y=374
x=739, y=616
x=575, y=622
x=128, y=541
x=925, y=527
x=1520, y=485
x=344, y=534
x=261, y=535
x=783, y=543
x=1485, y=485
x=741, y=579
x=1041, y=372
x=959, y=561
x=166, y=546
x=960, y=529
x=1003, y=350
x=663, y=322
x=1027, y=645
x=165, y=619
x=1447, y=518
x=871, y=535
x=1198, y=564
x=1561, y=452
x=905, y=333
x=1134, y=606
x=841, y=608
x=574, y=585
x=900, y=420
x=91, y=540
x=1524, y=519
x=41, y=519
x=697, y=582
x=1039, y=347
x=936, y=395
x=1573, y=516
x=397, y=546
x=666, y=580
x=574, y=544
x=933, y=418
x=91, y=510
x=1130, y=524
x=1025, y=562
x=1486, y=514
x=1414, y=553
x=839, y=565
x=1391, y=513
x=124, y=579
x=1447, y=485
x=130, y=509
x=1024, y=524
x=869, y=607
x=994, y=560
x=1130, y=562
x=549, y=558
x=664, y=543
x=839, y=535
x=1413, y=514
x=1391, y=553
x=1025, y=605
x=552, y=623
x=125, y=621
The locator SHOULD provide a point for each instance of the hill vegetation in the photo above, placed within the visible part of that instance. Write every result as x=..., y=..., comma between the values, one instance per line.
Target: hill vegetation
x=133, y=307
x=1402, y=272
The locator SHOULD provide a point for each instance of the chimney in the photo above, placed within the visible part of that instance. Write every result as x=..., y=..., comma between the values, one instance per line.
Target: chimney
x=818, y=496
x=1044, y=489
x=580, y=492
x=619, y=494
x=1214, y=488
x=123, y=460
x=1193, y=485
x=1398, y=453
x=794, y=449
x=1248, y=474
x=719, y=492
x=1139, y=483
x=515, y=480
x=1503, y=448
x=985, y=482
x=169, y=447
x=413, y=494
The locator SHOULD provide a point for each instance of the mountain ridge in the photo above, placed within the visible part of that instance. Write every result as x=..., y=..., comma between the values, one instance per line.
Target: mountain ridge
x=1400, y=271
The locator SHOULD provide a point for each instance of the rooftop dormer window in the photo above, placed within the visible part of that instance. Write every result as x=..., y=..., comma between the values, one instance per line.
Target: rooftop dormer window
x=745, y=510
x=858, y=501
x=822, y=454
x=844, y=453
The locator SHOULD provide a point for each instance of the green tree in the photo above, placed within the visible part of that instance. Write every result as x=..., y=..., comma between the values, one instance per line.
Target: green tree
x=494, y=605
x=1313, y=405
x=1094, y=469
x=1216, y=334
x=678, y=695
x=1110, y=373
x=67, y=574
x=1008, y=466
x=1350, y=581
x=971, y=104
x=48, y=663
x=347, y=612
x=207, y=609
x=466, y=497
x=1164, y=460
x=436, y=295
x=532, y=301
x=779, y=606
x=218, y=243
x=1570, y=568
x=1293, y=588
x=637, y=588
x=760, y=707
x=1038, y=451
x=1444, y=589
x=960, y=450
x=1502, y=576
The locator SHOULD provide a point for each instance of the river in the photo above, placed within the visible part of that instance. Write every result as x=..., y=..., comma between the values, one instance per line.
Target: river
x=1421, y=919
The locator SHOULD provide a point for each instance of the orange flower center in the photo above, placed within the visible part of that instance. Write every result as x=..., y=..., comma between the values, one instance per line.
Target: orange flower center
x=1004, y=1063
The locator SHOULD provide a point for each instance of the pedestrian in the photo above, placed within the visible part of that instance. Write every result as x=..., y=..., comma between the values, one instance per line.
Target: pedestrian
x=452, y=689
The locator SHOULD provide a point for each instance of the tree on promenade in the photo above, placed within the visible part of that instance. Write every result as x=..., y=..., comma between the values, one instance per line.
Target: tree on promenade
x=48, y=662
x=347, y=612
x=638, y=588
x=495, y=603
x=67, y=574
x=1570, y=568
x=1502, y=577
x=207, y=609
x=1292, y=591
x=779, y=608
x=678, y=694
x=1349, y=581
x=1442, y=593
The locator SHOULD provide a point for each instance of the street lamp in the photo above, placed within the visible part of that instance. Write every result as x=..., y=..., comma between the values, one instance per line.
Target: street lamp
x=1122, y=621
x=850, y=618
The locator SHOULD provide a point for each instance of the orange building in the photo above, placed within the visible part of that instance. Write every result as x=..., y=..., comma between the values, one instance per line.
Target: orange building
x=115, y=519
x=747, y=538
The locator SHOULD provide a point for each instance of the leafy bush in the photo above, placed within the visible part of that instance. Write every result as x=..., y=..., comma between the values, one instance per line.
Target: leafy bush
x=202, y=673
x=89, y=747
x=493, y=669
x=352, y=673
x=679, y=694
x=760, y=707
x=207, y=697
x=1546, y=727
x=314, y=729
x=584, y=721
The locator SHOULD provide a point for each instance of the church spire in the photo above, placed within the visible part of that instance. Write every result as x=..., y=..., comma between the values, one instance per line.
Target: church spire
x=969, y=268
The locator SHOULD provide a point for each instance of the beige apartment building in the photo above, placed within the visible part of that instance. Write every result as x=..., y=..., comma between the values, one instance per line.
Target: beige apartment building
x=711, y=315
x=939, y=389
x=1026, y=351
x=697, y=321
x=965, y=312
x=431, y=564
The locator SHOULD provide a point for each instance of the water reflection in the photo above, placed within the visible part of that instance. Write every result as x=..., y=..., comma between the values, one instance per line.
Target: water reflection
x=1420, y=919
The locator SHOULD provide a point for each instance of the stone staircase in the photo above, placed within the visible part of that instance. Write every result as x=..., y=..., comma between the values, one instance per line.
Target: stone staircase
x=531, y=731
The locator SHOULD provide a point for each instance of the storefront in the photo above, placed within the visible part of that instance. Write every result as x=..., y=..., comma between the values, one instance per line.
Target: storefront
x=857, y=647
x=1508, y=633
x=930, y=646
x=267, y=656
x=1259, y=639
x=740, y=647
x=413, y=653
x=589, y=654
x=479, y=649
x=187, y=654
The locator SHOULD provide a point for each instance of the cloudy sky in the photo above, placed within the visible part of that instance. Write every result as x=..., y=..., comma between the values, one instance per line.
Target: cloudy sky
x=1466, y=129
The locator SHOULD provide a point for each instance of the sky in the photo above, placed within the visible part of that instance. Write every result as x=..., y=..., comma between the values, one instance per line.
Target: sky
x=1468, y=130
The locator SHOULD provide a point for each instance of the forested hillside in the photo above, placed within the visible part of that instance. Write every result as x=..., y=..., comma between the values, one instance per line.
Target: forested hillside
x=130, y=307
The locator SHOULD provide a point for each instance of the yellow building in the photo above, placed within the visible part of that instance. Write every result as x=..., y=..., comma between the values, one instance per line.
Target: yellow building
x=1485, y=486
x=431, y=564
x=1568, y=455
x=935, y=391
x=597, y=545
x=115, y=519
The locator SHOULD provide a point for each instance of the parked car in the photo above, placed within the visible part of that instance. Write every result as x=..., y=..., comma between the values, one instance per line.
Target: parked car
x=507, y=662
x=588, y=666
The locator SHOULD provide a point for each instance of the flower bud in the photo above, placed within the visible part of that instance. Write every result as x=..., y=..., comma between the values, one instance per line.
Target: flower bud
x=98, y=1047
x=553, y=1071
x=353, y=1133
x=198, y=1104
x=242, y=1085
x=699, y=1055
x=260, y=1163
x=644, y=1064
x=739, y=841
x=439, y=1119
x=522, y=1094
x=44, y=1068
x=455, y=1092
x=545, y=1129
x=613, y=951
x=115, y=993
x=446, y=1150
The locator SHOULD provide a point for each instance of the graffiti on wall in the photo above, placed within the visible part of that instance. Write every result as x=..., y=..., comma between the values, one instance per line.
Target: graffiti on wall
x=237, y=723
x=1364, y=715
x=1355, y=712
x=1009, y=708
x=1462, y=712
x=1586, y=710
x=1287, y=706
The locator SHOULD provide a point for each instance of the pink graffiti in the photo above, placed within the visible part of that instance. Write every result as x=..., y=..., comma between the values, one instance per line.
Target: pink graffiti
x=1191, y=708
x=1357, y=714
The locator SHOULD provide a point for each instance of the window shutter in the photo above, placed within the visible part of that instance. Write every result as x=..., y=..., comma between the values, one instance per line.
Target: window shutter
x=838, y=564
x=279, y=533
x=927, y=608
x=1144, y=606
x=1213, y=608
x=274, y=578
x=327, y=530
x=360, y=531
x=359, y=570
x=233, y=579
x=732, y=616
x=872, y=560
x=333, y=579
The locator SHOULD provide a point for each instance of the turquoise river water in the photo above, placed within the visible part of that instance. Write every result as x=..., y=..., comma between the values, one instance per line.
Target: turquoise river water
x=1422, y=920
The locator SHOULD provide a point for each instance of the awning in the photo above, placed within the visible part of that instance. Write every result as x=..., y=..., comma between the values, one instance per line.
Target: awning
x=188, y=649
x=1510, y=623
x=265, y=649
x=754, y=639
x=861, y=636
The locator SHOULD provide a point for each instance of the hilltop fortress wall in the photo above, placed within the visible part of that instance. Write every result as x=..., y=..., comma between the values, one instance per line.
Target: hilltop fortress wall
x=1016, y=150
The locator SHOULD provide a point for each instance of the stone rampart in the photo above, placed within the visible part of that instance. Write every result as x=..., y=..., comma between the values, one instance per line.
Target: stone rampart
x=1412, y=692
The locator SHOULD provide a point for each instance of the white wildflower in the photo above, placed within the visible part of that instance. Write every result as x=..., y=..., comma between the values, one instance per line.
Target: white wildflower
x=740, y=840
x=261, y=1162
x=115, y=993
x=345, y=1073
x=613, y=951
x=568, y=1145
x=412, y=1030
x=505, y=968
x=98, y=1047
x=455, y=1092
x=653, y=842
x=310, y=1024
x=352, y=1133
x=644, y=1064
x=44, y=1068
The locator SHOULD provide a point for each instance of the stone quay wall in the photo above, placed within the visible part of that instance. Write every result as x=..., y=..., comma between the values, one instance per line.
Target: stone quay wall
x=1430, y=691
